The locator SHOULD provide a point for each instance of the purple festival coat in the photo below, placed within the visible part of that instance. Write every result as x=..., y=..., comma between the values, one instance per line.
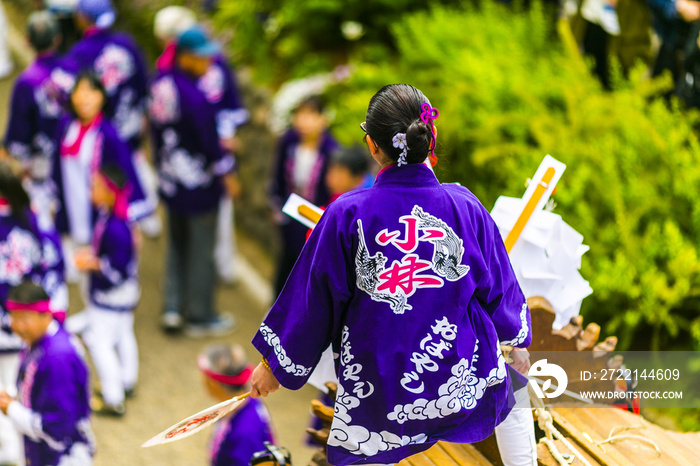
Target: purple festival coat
x=118, y=62
x=26, y=252
x=110, y=149
x=20, y=258
x=115, y=286
x=36, y=107
x=221, y=90
x=188, y=157
x=53, y=385
x=411, y=284
x=237, y=437
x=282, y=185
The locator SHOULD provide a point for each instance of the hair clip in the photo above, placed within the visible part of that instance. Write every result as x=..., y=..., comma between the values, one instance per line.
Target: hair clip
x=428, y=113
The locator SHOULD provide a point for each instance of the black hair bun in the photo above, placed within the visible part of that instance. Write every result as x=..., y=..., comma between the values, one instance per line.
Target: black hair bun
x=418, y=137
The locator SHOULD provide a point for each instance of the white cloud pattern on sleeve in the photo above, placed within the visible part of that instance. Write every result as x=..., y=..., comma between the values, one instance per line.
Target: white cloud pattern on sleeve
x=524, y=329
x=287, y=364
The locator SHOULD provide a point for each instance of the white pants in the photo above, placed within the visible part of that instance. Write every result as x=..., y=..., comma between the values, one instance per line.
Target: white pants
x=10, y=441
x=516, y=434
x=225, y=251
x=72, y=274
x=112, y=345
x=79, y=455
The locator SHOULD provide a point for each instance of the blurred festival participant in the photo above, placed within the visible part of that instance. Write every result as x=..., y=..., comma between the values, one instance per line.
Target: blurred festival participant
x=87, y=141
x=118, y=62
x=168, y=24
x=688, y=87
x=63, y=11
x=20, y=258
x=193, y=172
x=617, y=28
x=411, y=284
x=51, y=409
x=25, y=253
x=240, y=434
x=347, y=171
x=219, y=87
x=38, y=99
x=302, y=162
x=114, y=292
x=671, y=19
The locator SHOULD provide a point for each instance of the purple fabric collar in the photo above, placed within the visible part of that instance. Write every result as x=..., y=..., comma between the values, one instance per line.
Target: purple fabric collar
x=414, y=174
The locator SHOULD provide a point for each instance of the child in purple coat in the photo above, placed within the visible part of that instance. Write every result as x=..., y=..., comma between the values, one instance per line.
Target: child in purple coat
x=303, y=154
x=51, y=409
x=243, y=432
x=118, y=61
x=113, y=291
x=86, y=141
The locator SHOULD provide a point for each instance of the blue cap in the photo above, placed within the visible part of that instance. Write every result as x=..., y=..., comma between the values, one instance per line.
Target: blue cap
x=101, y=12
x=195, y=40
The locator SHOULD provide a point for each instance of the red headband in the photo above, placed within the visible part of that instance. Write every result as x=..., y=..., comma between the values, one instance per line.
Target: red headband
x=240, y=379
x=39, y=306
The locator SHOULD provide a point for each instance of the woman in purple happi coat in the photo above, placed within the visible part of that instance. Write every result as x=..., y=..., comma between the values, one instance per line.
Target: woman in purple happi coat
x=51, y=408
x=410, y=283
x=86, y=141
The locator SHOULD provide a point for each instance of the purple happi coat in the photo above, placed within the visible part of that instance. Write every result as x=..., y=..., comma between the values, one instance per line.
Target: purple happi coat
x=411, y=284
x=37, y=103
x=26, y=251
x=118, y=62
x=115, y=286
x=20, y=258
x=188, y=157
x=53, y=412
x=237, y=437
x=220, y=89
x=283, y=177
x=106, y=148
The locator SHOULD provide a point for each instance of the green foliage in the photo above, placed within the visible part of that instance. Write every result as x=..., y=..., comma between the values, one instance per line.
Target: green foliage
x=286, y=39
x=510, y=92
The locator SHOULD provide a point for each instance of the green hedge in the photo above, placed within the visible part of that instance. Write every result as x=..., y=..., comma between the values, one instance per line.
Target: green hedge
x=288, y=39
x=510, y=92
